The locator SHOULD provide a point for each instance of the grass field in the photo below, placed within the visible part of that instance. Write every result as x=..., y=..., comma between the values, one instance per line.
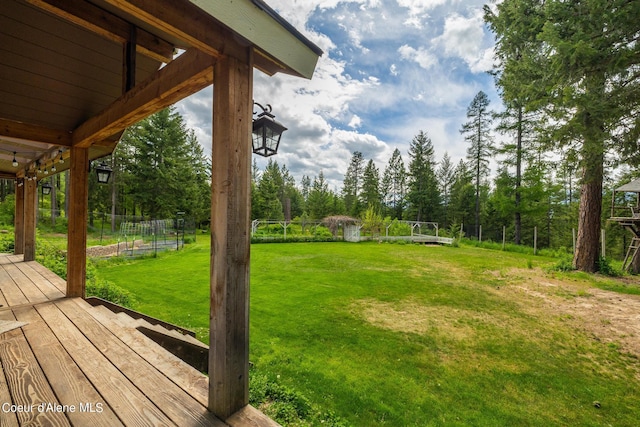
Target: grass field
x=407, y=335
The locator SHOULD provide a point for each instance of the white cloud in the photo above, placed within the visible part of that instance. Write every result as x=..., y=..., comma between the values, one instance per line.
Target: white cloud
x=355, y=122
x=465, y=38
x=423, y=57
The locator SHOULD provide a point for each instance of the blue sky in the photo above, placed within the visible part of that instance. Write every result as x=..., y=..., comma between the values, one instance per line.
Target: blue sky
x=391, y=68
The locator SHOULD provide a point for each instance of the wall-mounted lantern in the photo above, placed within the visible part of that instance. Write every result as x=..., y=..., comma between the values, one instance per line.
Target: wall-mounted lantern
x=266, y=132
x=103, y=172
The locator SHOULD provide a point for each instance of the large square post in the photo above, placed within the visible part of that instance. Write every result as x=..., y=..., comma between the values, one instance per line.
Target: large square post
x=77, y=227
x=230, y=236
x=18, y=247
x=30, y=213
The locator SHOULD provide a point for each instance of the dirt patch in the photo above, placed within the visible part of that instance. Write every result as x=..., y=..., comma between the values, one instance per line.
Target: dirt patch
x=412, y=317
x=607, y=316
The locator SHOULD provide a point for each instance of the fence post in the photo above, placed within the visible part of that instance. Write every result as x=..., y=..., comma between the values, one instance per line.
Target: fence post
x=504, y=236
x=603, y=236
x=573, y=232
x=480, y=233
x=535, y=240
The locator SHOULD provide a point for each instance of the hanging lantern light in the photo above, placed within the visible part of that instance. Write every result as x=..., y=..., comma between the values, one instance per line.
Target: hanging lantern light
x=266, y=132
x=103, y=172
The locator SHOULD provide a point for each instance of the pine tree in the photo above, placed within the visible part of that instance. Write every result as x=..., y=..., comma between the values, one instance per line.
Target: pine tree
x=394, y=182
x=353, y=184
x=320, y=198
x=579, y=65
x=477, y=133
x=446, y=176
x=423, y=195
x=371, y=197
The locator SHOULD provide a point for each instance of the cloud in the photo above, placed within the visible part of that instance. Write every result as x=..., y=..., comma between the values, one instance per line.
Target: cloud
x=465, y=38
x=421, y=56
x=390, y=69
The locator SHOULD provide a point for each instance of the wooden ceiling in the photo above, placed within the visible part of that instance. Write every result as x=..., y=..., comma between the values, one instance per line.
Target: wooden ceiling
x=77, y=72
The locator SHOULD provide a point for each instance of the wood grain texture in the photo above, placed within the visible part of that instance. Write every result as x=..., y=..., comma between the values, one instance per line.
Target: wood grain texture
x=182, y=77
x=18, y=224
x=168, y=397
x=230, y=241
x=133, y=408
x=66, y=379
x=77, y=225
x=12, y=294
x=27, y=383
x=189, y=379
x=250, y=417
x=25, y=284
x=30, y=205
x=48, y=289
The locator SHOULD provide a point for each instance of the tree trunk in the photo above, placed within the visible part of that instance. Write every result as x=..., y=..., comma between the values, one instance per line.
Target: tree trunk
x=518, y=216
x=589, y=215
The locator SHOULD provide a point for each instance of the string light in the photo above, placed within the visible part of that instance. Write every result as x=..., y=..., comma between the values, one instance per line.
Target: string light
x=15, y=162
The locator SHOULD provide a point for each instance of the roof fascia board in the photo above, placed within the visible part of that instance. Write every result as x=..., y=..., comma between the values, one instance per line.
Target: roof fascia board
x=265, y=29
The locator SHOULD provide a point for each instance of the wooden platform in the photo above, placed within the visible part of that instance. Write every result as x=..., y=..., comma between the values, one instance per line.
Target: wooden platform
x=75, y=365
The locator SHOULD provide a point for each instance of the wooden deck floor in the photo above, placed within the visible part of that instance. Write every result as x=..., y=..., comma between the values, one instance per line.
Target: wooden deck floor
x=74, y=365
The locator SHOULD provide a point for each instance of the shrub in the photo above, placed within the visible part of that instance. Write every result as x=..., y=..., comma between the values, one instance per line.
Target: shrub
x=604, y=267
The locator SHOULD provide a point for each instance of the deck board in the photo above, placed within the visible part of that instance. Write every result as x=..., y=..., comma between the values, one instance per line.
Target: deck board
x=173, y=401
x=27, y=383
x=183, y=374
x=127, y=401
x=26, y=285
x=12, y=294
x=71, y=353
x=67, y=380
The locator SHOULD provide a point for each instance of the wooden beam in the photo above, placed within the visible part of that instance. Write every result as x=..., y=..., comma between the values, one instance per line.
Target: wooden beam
x=18, y=248
x=183, y=20
x=187, y=74
x=107, y=25
x=35, y=133
x=77, y=226
x=30, y=210
x=230, y=241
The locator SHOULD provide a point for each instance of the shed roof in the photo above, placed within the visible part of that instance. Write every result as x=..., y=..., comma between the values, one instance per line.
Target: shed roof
x=630, y=187
x=69, y=69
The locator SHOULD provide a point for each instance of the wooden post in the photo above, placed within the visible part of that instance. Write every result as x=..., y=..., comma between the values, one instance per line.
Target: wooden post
x=30, y=210
x=603, y=243
x=77, y=228
x=230, y=238
x=535, y=240
x=18, y=247
x=480, y=233
x=504, y=236
x=573, y=233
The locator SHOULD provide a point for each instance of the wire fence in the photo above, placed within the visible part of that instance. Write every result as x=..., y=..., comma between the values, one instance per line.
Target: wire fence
x=127, y=235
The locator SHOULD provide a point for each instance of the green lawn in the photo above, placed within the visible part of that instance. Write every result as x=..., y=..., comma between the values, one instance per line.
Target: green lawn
x=404, y=335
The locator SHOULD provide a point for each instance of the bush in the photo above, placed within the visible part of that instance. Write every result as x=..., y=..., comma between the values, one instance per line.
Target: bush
x=7, y=243
x=565, y=264
x=604, y=267
x=287, y=406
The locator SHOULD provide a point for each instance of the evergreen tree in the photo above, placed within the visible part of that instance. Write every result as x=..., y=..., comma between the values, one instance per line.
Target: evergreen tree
x=353, y=184
x=394, y=183
x=423, y=194
x=320, y=198
x=477, y=133
x=580, y=66
x=462, y=195
x=162, y=168
x=268, y=193
x=446, y=176
x=371, y=187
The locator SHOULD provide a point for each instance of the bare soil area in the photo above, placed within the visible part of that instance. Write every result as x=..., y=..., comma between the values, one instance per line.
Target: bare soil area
x=610, y=317
x=607, y=316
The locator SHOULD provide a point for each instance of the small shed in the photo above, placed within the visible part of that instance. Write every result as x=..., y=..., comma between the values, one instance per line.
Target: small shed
x=350, y=227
